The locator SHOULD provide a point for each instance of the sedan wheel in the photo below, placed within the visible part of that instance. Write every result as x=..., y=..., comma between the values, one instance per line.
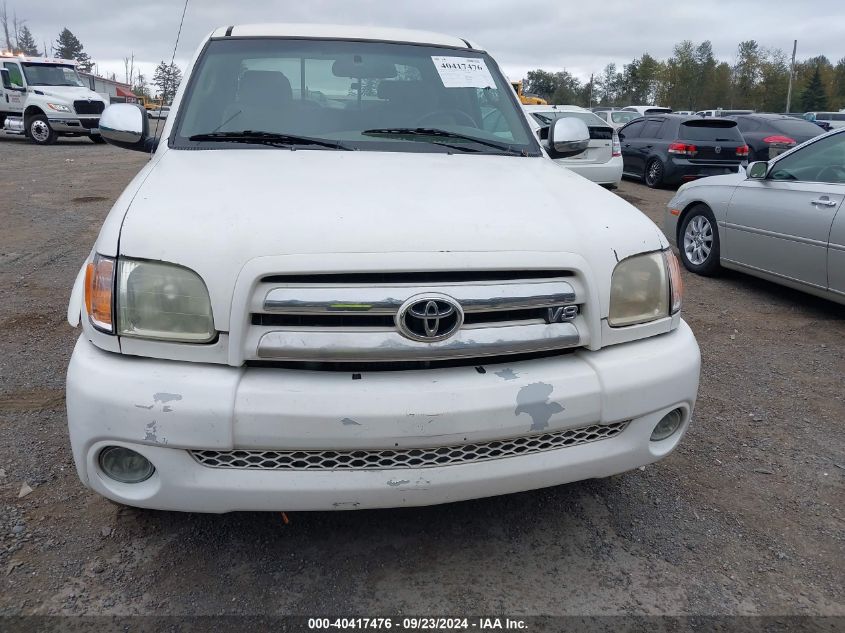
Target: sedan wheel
x=654, y=174
x=699, y=241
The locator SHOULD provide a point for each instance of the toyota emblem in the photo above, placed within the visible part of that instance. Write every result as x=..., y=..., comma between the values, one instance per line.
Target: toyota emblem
x=429, y=318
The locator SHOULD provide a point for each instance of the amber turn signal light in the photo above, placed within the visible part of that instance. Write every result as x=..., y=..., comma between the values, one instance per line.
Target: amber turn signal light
x=99, y=285
x=676, y=283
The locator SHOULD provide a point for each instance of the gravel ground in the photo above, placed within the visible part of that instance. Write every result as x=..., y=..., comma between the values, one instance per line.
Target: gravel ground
x=745, y=518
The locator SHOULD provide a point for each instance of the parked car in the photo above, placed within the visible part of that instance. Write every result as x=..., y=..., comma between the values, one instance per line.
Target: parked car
x=683, y=112
x=667, y=149
x=617, y=118
x=833, y=120
x=768, y=135
x=719, y=112
x=601, y=162
x=647, y=109
x=782, y=220
x=411, y=308
x=159, y=113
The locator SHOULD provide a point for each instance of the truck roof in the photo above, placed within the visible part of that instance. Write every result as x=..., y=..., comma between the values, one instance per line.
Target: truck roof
x=331, y=31
x=38, y=60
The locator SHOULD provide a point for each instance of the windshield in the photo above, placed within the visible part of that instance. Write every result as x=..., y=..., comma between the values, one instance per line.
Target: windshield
x=359, y=95
x=51, y=75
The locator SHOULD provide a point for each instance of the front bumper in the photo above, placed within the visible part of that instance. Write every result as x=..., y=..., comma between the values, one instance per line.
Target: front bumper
x=161, y=408
x=81, y=125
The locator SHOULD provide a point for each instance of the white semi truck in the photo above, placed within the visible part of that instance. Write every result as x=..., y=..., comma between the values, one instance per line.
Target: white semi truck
x=44, y=98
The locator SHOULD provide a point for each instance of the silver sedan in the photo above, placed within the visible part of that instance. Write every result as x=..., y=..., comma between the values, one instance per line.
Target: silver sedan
x=782, y=220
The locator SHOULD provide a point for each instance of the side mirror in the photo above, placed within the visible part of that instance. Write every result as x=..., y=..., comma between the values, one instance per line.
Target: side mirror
x=568, y=137
x=126, y=125
x=758, y=170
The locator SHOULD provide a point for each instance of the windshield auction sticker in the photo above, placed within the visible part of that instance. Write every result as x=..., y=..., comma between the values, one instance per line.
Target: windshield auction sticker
x=463, y=72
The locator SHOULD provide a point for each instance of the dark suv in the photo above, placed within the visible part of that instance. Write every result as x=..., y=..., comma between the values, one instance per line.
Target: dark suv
x=668, y=149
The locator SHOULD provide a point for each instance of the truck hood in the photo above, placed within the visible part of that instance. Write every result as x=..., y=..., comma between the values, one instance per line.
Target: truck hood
x=68, y=93
x=216, y=210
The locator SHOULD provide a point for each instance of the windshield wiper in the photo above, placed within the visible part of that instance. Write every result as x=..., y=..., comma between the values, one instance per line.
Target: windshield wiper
x=268, y=138
x=437, y=132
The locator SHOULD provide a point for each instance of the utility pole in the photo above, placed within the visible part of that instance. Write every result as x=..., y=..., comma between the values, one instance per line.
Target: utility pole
x=791, y=74
x=591, y=91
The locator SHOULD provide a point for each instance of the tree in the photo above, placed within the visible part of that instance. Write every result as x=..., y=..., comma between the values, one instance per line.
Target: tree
x=26, y=42
x=4, y=21
x=167, y=78
x=746, y=74
x=814, y=97
x=68, y=46
x=568, y=89
x=609, y=83
x=774, y=80
x=541, y=83
x=838, y=88
x=682, y=80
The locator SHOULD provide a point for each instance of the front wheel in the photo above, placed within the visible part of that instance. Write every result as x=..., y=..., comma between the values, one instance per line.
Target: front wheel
x=699, y=241
x=654, y=173
x=98, y=139
x=40, y=131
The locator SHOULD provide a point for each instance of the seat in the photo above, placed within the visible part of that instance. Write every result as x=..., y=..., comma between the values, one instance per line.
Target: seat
x=263, y=103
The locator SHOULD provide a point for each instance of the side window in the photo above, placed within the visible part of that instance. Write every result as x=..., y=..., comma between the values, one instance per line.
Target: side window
x=652, y=129
x=823, y=161
x=632, y=130
x=15, y=75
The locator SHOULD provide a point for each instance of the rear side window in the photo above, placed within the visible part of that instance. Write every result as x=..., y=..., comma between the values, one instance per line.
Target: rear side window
x=632, y=130
x=652, y=129
x=713, y=130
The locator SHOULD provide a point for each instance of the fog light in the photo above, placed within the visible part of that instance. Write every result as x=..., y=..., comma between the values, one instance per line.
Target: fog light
x=125, y=465
x=670, y=423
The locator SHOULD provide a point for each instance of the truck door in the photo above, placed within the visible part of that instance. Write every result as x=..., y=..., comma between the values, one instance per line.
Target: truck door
x=14, y=92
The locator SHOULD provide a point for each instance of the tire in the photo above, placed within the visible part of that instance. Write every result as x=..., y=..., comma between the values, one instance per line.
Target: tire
x=698, y=241
x=654, y=173
x=39, y=130
x=98, y=139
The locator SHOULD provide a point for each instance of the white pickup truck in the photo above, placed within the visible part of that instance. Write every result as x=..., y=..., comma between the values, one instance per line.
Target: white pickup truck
x=333, y=287
x=44, y=98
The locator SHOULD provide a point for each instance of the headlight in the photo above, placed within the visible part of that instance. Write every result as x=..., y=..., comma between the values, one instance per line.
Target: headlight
x=644, y=288
x=162, y=301
x=58, y=107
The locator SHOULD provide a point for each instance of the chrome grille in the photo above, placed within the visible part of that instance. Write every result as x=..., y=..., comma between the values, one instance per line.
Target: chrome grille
x=407, y=458
x=360, y=317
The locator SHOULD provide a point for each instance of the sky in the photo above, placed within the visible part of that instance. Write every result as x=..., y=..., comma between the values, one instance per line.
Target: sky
x=581, y=37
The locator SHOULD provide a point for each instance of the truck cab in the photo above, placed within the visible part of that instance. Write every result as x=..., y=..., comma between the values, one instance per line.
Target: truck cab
x=351, y=277
x=44, y=98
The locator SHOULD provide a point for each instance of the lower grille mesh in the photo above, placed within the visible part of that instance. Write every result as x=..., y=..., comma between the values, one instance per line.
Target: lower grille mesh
x=406, y=458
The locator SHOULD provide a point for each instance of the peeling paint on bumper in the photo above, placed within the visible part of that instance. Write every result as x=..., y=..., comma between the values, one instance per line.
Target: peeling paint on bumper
x=118, y=400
